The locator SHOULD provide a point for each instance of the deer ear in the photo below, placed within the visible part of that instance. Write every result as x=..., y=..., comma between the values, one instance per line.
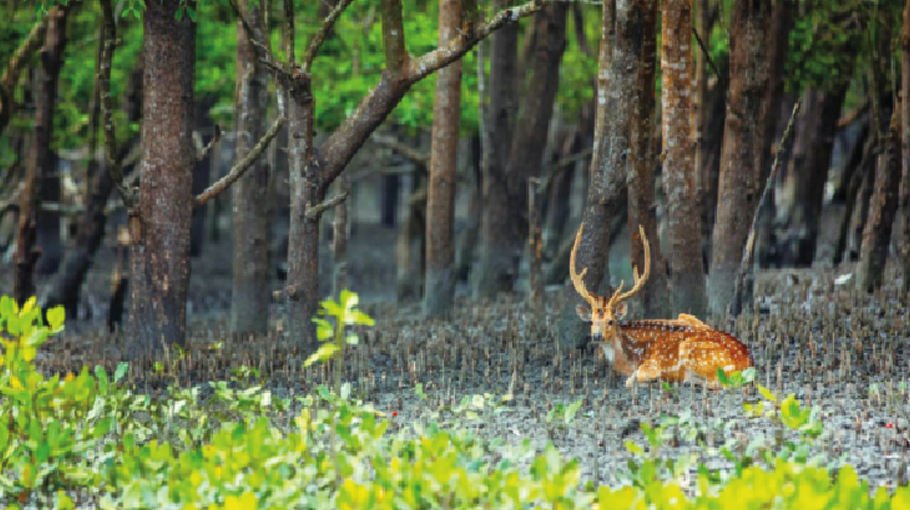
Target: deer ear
x=583, y=312
x=621, y=311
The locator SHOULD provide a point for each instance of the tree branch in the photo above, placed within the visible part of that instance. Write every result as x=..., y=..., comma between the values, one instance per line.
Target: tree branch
x=457, y=47
x=26, y=48
x=313, y=213
x=344, y=142
x=238, y=170
x=202, y=152
x=707, y=54
x=324, y=30
x=11, y=73
x=405, y=150
x=560, y=166
x=264, y=53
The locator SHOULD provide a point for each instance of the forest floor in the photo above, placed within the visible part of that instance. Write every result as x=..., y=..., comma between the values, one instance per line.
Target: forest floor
x=843, y=353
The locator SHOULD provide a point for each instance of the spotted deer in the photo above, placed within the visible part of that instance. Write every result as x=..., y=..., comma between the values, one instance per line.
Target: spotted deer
x=684, y=349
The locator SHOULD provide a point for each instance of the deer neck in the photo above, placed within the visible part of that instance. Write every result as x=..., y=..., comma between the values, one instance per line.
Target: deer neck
x=625, y=352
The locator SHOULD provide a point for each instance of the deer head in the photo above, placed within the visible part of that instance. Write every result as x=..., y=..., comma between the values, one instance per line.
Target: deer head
x=606, y=312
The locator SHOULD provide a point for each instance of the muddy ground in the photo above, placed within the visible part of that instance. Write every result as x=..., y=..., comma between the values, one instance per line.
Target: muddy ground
x=844, y=353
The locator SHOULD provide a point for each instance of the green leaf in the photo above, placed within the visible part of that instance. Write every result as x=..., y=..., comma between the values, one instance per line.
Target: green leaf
x=102, y=428
x=332, y=308
x=348, y=299
x=29, y=305
x=634, y=448
x=722, y=377
x=748, y=375
x=12, y=325
x=103, y=381
x=120, y=373
x=55, y=317
x=7, y=307
x=325, y=352
x=324, y=330
x=766, y=393
x=37, y=337
x=360, y=318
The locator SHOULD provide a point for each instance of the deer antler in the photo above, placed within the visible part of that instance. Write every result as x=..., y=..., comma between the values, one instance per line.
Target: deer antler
x=578, y=278
x=639, y=279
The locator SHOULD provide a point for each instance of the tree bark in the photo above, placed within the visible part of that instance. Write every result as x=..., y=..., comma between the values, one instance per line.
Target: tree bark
x=608, y=182
x=502, y=251
x=10, y=77
x=882, y=208
x=306, y=192
x=709, y=155
x=737, y=189
x=65, y=287
x=315, y=173
x=529, y=138
x=852, y=179
x=856, y=222
x=687, y=272
x=781, y=23
x=466, y=244
x=905, y=148
x=410, y=248
x=811, y=160
x=340, y=229
x=699, y=112
x=40, y=157
x=495, y=265
x=249, y=195
x=655, y=297
x=160, y=227
x=439, y=282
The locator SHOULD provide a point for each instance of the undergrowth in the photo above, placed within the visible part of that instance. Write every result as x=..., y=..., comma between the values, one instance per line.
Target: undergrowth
x=87, y=440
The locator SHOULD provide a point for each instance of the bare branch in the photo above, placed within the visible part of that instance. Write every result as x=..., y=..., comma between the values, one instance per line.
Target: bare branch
x=560, y=166
x=11, y=73
x=405, y=150
x=238, y=170
x=317, y=41
x=263, y=51
x=11, y=203
x=707, y=54
x=202, y=152
x=26, y=48
x=313, y=213
x=345, y=141
x=460, y=45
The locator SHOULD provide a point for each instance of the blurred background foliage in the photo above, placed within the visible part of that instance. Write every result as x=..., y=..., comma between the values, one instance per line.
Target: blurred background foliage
x=351, y=62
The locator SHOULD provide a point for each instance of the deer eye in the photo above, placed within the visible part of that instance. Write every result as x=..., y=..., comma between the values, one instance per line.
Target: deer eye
x=610, y=322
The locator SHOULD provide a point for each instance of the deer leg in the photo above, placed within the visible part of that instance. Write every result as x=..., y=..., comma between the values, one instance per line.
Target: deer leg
x=647, y=371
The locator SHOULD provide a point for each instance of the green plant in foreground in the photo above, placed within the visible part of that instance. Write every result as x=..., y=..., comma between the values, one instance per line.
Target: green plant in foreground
x=336, y=336
x=46, y=425
x=87, y=437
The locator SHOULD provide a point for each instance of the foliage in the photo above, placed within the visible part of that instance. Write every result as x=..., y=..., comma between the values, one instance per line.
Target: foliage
x=89, y=438
x=348, y=66
x=335, y=337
